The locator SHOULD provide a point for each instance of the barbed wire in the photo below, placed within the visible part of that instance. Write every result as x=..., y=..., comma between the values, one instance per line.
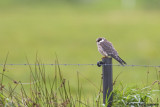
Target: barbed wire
x=81, y=65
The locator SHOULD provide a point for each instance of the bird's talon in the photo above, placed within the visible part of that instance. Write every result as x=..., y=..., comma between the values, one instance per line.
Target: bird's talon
x=104, y=57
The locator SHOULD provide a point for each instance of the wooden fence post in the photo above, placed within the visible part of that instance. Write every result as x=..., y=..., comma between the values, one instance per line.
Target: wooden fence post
x=107, y=80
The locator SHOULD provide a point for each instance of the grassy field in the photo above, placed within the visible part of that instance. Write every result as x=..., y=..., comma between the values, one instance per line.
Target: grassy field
x=70, y=31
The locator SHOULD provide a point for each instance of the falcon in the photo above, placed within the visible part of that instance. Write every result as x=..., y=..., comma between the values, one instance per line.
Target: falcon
x=107, y=50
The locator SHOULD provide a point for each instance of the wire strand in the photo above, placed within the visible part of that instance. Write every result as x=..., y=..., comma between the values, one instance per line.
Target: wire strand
x=83, y=65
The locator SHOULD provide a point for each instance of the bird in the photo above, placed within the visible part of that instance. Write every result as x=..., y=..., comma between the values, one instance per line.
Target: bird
x=107, y=50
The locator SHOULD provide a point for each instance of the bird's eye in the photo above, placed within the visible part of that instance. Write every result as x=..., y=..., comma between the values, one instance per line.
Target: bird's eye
x=99, y=39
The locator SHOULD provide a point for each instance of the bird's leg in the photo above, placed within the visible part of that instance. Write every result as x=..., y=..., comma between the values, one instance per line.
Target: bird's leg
x=104, y=57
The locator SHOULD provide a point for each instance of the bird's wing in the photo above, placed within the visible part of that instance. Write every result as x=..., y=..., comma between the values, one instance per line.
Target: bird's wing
x=108, y=48
x=121, y=61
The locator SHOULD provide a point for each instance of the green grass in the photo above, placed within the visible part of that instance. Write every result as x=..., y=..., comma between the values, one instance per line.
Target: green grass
x=54, y=89
x=70, y=31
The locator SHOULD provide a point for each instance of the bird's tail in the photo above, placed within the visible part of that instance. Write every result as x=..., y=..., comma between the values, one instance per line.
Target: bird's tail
x=121, y=61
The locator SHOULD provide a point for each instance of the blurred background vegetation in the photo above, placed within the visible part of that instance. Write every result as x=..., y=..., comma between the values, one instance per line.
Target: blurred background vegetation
x=69, y=28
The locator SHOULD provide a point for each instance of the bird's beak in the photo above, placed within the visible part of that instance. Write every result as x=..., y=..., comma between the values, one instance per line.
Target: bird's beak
x=97, y=40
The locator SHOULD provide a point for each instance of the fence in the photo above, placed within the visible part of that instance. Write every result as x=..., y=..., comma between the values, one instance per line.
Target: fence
x=84, y=65
x=107, y=77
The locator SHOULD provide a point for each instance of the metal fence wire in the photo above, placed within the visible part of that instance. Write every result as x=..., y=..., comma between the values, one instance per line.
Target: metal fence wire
x=81, y=65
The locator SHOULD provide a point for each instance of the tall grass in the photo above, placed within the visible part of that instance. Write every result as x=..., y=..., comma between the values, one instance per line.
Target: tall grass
x=42, y=91
x=54, y=91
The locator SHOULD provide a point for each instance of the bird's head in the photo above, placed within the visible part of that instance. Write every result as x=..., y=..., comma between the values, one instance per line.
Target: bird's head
x=100, y=39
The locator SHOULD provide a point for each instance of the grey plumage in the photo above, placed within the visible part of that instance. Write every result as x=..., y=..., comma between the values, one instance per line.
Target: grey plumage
x=106, y=49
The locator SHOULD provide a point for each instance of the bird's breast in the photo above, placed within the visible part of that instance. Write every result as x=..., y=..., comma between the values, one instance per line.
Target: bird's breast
x=100, y=49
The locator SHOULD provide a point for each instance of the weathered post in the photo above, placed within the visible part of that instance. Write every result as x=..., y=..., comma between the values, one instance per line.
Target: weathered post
x=107, y=80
